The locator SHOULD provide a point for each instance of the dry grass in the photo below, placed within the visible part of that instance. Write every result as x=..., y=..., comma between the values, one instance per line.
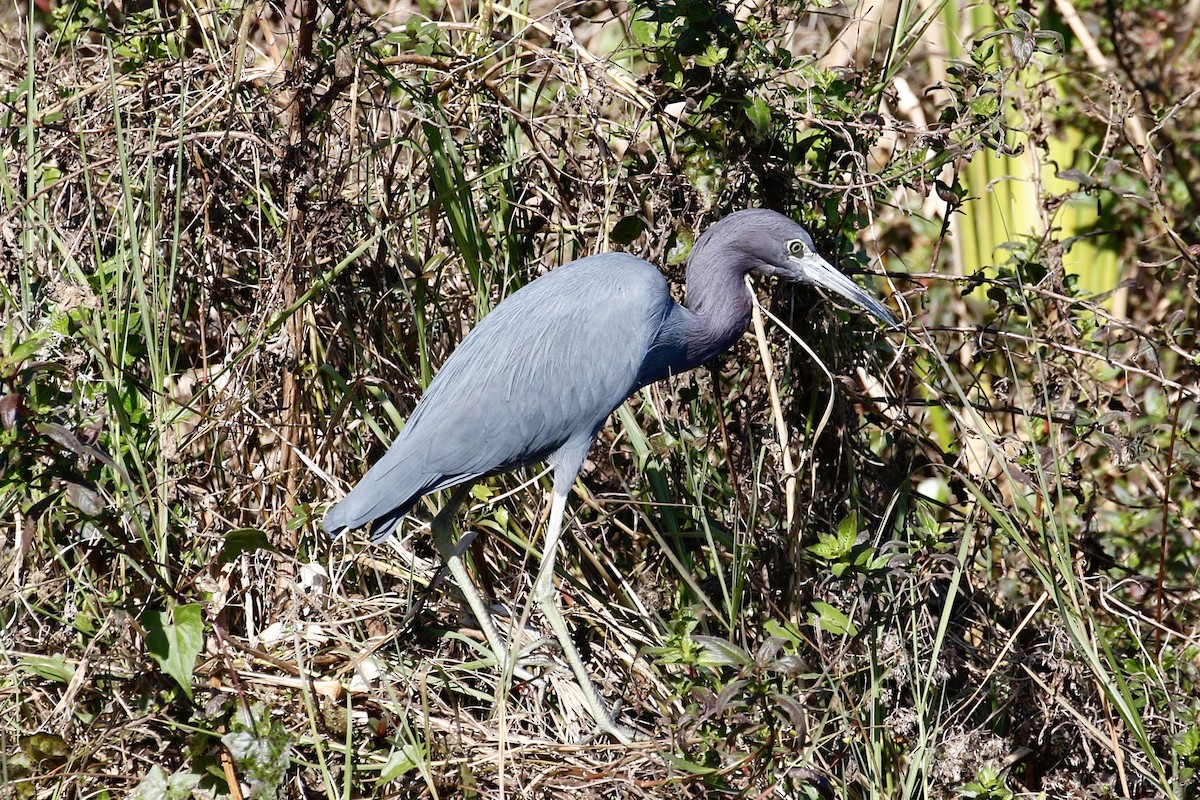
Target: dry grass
x=226, y=280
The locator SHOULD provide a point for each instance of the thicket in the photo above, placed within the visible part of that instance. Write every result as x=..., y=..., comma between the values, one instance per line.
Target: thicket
x=958, y=559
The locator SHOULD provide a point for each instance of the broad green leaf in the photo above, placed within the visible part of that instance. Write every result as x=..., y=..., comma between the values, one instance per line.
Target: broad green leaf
x=758, y=111
x=626, y=230
x=242, y=540
x=783, y=631
x=157, y=785
x=262, y=749
x=828, y=547
x=648, y=31
x=174, y=640
x=831, y=620
x=721, y=653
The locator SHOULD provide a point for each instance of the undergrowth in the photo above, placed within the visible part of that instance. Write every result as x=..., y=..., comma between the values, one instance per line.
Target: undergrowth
x=236, y=243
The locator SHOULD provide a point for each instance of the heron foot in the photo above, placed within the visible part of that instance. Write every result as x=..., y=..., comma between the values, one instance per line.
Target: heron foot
x=622, y=733
x=607, y=724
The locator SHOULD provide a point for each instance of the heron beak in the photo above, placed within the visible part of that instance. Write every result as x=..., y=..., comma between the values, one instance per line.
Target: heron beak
x=816, y=271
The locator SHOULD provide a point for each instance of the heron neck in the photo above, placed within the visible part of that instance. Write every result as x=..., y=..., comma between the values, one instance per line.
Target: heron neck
x=719, y=306
x=715, y=316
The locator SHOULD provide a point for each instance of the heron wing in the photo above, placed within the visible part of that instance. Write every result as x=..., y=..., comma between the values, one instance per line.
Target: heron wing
x=541, y=372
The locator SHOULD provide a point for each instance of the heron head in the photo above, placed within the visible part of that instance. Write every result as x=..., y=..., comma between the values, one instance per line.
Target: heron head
x=772, y=244
x=802, y=264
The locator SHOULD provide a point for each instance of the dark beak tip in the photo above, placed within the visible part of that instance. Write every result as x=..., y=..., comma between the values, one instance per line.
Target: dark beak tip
x=890, y=322
x=880, y=312
x=826, y=277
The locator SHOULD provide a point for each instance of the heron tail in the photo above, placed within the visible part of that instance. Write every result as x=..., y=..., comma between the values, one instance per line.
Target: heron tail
x=350, y=514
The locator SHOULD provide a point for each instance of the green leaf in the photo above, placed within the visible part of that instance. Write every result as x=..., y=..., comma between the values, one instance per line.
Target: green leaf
x=783, y=631
x=402, y=761
x=688, y=766
x=831, y=620
x=758, y=111
x=626, y=230
x=262, y=749
x=867, y=559
x=174, y=640
x=682, y=247
x=712, y=56
x=828, y=547
x=646, y=32
x=160, y=786
x=45, y=748
x=242, y=540
x=848, y=530
x=51, y=668
x=1187, y=744
x=26, y=349
x=721, y=653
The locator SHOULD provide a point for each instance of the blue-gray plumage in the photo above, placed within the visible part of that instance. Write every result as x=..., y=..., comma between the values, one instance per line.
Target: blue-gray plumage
x=537, y=378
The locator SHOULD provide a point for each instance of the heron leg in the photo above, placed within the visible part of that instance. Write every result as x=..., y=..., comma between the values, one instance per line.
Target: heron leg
x=547, y=600
x=447, y=545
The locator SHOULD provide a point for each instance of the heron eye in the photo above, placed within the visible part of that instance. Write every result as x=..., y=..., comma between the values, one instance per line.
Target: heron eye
x=797, y=248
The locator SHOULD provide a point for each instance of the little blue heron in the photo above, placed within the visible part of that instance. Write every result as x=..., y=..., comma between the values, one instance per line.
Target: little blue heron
x=538, y=376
